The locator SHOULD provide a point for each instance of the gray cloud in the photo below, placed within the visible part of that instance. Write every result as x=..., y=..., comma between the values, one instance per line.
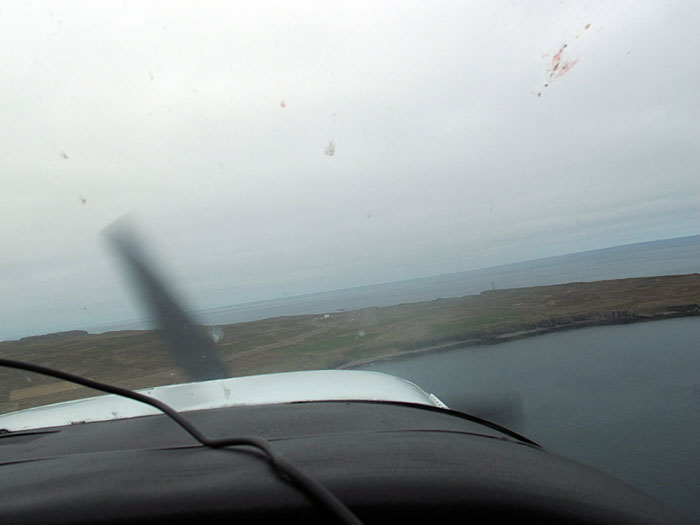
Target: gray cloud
x=446, y=157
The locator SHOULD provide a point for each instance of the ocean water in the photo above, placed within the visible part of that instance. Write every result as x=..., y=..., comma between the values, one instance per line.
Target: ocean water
x=624, y=399
x=665, y=257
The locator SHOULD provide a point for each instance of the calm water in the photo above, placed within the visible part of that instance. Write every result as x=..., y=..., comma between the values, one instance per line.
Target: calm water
x=665, y=257
x=625, y=399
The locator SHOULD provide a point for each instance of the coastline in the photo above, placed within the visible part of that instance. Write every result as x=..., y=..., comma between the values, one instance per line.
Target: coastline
x=347, y=339
x=694, y=311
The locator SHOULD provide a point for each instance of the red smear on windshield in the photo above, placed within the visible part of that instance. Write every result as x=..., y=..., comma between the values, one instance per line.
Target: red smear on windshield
x=560, y=66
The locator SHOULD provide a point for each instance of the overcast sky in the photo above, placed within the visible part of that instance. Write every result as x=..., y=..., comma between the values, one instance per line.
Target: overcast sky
x=463, y=139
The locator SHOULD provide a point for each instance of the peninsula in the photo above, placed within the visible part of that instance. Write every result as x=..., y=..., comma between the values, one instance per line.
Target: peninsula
x=138, y=359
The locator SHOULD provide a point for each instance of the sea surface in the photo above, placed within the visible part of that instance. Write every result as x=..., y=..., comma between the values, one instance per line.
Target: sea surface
x=624, y=399
x=666, y=257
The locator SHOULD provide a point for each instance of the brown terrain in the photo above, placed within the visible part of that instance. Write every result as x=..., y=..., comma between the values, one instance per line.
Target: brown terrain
x=138, y=359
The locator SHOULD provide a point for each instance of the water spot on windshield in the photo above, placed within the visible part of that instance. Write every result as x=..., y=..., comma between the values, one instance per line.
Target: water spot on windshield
x=330, y=148
x=216, y=333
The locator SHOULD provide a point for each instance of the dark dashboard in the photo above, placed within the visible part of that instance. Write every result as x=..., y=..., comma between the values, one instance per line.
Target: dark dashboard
x=383, y=460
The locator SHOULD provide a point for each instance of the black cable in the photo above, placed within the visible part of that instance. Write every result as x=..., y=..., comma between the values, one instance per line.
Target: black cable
x=312, y=488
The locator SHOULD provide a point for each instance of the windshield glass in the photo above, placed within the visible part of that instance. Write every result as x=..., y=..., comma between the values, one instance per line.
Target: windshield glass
x=488, y=199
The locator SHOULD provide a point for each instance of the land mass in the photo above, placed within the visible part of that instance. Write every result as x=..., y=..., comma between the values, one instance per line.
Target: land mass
x=138, y=358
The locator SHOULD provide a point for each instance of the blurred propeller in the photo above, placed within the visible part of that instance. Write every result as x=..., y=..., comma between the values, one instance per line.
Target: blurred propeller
x=191, y=348
x=194, y=352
